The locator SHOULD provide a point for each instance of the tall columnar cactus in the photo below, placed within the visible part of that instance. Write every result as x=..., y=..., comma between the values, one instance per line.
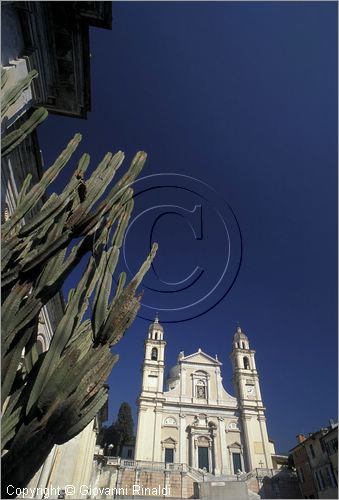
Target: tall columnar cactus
x=49, y=398
x=9, y=97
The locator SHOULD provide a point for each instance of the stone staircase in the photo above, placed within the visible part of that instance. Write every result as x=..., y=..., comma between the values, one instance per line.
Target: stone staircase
x=252, y=479
x=181, y=480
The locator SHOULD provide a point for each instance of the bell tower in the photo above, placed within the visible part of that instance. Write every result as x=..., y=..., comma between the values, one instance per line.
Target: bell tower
x=154, y=357
x=150, y=402
x=252, y=411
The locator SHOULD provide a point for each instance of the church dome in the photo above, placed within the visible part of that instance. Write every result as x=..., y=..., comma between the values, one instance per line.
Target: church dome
x=173, y=376
x=174, y=372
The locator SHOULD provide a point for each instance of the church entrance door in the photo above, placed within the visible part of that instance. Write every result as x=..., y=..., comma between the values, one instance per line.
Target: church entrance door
x=203, y=458
x=169, y=455
x=236, y=462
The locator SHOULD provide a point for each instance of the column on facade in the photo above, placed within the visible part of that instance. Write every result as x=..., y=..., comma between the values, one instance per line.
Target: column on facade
x=208, y=388
x=246, y=422
x=157, y=448
x=219, y=385
x=224, y=464
x=217, y=468
x=194, y=451
x=142, y=430
x=182, y=439
x=211, y=460
x=258, y=391
x=265, y=441
x=182, y=381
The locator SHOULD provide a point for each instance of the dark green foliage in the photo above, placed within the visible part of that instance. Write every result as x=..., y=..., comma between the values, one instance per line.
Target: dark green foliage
x=121, y=431
x=290, y=462
x=48, y=399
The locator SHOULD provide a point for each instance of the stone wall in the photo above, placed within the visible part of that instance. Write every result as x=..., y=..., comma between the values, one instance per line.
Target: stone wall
x=227, y=490
x=161, y=482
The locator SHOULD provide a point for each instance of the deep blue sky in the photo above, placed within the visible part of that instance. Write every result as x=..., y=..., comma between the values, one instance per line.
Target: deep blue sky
x=242, y=96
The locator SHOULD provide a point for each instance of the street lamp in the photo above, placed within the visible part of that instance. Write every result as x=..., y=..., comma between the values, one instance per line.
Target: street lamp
x=110, y=449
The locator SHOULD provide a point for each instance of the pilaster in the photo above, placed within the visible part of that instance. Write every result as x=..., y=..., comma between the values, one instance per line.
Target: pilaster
x=224, y=462
x=182, y=439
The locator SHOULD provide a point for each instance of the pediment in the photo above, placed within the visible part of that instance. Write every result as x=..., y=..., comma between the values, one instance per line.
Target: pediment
x=235, y=445
x=201, y=358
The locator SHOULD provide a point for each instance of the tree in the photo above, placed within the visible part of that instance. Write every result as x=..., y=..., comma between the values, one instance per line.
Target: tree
x=121, y=431
x=125, y=425
x=48, y=398
x=290, y=462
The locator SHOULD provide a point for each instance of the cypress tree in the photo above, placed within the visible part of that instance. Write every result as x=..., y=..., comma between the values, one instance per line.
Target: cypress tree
x=121, y=431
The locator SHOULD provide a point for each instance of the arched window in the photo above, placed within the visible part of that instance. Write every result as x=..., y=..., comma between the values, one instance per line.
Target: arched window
x=154, y=354
x=246, y=363
x=243, y=345
x=156, y=336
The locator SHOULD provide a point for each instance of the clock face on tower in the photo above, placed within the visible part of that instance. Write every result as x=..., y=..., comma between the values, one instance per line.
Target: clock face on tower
x=250, y=390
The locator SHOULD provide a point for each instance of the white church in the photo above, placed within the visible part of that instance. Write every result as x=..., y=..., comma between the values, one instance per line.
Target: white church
x=196, y=421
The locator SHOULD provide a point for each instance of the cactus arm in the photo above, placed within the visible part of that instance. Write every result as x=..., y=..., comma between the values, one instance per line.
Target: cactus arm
x=100, y=304
x=52, y=210
x=10, y=362
x=11, y=306
x=120, y=188
x=8, y=248
x=13, y=139
x=23, y=190
x=13, y=94
x=106, y=270
x=97, y=184
x=35, y=194
x=132, y=173
x=144, y=268
x=8, y=427
x=121, y=284
x=123, y=309
x=62, y=334
x=84, y=416
x=78, y=175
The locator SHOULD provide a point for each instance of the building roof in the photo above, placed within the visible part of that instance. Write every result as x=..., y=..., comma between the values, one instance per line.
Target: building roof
x=312, y=436
x=201, y=357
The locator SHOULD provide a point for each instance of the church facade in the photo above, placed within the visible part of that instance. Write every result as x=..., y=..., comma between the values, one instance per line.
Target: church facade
x=196, y=421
